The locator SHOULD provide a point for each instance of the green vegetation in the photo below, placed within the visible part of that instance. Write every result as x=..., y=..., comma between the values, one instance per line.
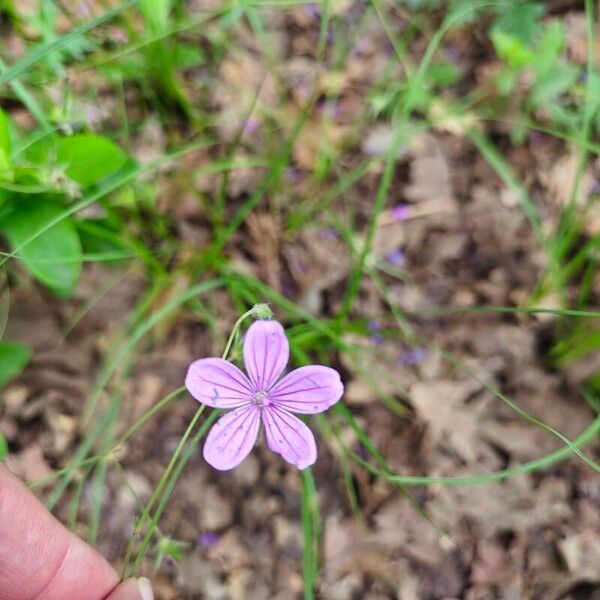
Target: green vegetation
x=71, y=193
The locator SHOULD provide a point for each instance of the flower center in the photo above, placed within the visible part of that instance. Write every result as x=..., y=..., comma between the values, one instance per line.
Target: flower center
x=260, y=399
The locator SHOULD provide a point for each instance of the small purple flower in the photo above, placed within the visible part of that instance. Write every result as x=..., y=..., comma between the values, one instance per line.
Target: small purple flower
x=397, y=258
x=363, y=452
x=331, y=109
x=536, y=137
x=264, y=396
x=400, y=212
x=412, y=357
x=374, y=327
x=453, y=53
x=312, y=10
x=594, y=188
x=208, y=539
x=292, y=175
x=251, y=125
x=329, y=234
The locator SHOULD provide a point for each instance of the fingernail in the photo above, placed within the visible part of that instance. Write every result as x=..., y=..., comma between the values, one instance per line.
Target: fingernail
x=145, y=588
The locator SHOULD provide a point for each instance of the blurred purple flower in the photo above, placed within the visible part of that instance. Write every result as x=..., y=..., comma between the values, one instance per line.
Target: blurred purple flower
x=536, y=137
x=312, y=10
x=331, y=109
x=412, y=357
x=262, y=396
x=363, y=452
x=400, y=212
x=375, y=326
x=288, y=289
x=329, y=234
x=396, y=258
x=453, y=53
x=292, y=175
x=594, y=189
x=208, y=539
x=251, y=125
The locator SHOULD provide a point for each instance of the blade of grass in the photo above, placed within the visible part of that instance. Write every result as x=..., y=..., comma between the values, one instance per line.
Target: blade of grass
x=465, y=368
x=29, y=102
x=309, y=554
x=170, y=486
x=413, y=89
x=128, y=175
x=37, y=54
x=164, y=480
x=120, y=356
x=538, y=464
x=140, y=422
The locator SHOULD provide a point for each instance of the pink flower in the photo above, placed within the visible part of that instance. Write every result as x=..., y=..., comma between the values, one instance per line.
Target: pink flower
x=262, y=395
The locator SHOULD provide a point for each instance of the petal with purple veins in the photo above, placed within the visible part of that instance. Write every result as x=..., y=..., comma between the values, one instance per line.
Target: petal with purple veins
x=308, y=390
x=288, y=436
x=266, y=353
x=218, y=383
x=232, y=438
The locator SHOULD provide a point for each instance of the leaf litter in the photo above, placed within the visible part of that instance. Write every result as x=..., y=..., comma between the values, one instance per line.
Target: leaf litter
x=464, y=241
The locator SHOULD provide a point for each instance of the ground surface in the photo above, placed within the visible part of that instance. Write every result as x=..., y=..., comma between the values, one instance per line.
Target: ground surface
x=420, y=384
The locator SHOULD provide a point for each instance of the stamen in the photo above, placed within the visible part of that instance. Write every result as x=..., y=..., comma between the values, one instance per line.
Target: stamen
x=260, y=399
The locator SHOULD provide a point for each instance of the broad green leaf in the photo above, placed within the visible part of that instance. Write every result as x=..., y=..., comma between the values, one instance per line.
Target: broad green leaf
x=53, y=257
x=3, y=447
x=87, y=158
x=13, y=358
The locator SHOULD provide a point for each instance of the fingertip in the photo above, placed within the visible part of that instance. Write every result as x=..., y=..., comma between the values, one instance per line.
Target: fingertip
x=145, y=588
x=133, y=589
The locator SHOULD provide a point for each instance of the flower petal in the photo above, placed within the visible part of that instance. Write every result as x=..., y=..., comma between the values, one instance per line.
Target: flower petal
x=218, y=383
x=289, y=436
x=308, y=390
x=266, y=353
x=232, y=438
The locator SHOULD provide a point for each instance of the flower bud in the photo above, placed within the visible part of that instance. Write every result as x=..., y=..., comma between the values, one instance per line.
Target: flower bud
x=262, y=311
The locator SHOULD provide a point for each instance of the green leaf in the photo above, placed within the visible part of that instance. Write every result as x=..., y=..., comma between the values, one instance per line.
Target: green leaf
x=5, y=146
x=4, y=133
x=87, y=158
x=53, y=257
x=554, y=83
x=187, y=56
x=550, y=47
x=156, y=15
x=3, y=447
x=520, y=19
x=13, y=358
x=506, y=81
x=463, y=12
x=511, y=49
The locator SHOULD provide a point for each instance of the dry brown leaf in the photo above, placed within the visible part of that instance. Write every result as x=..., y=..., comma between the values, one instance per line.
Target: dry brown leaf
x=441, y=404
x=430, y=174
x=561, y=177
x=581, y=553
